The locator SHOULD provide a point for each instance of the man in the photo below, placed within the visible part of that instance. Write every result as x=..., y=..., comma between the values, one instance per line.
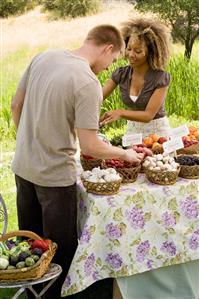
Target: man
x=59, y=95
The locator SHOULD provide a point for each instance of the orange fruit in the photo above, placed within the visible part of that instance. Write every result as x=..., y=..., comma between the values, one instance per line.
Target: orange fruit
x=148, y=141
x=196, y=134
x=192, y=129
x=155, y=137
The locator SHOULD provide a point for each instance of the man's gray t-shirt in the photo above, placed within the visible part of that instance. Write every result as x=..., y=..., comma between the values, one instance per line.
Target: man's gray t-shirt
x=62, y=93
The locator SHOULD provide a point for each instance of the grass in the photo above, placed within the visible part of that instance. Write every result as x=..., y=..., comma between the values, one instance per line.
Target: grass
x=181, y=104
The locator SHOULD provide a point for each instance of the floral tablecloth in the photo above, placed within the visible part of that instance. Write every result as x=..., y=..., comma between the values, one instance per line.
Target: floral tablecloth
x=143, y=227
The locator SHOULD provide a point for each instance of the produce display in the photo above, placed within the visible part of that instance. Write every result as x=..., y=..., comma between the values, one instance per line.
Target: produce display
x=154, y=142
x=17, y=255
x=128, y=171
x=141, y=148
x=161, y=162
x=98, y=175
x=191, y=142
x=187, y=160
x=101, y=181
x=161, y=169
x=189, y=166
x=118, y=163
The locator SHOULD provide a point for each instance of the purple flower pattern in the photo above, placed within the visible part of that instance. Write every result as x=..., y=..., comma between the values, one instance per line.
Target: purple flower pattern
x=168, y=219
x=113, y=231
x=89, y=264
x=138, y=226
x=114, y=259
x=135, y=217
x=85, y=236
x=68, y=281
x=169, y=247
x=194, y=241
x=142, y=250
x=189, y=208
x=149, y=264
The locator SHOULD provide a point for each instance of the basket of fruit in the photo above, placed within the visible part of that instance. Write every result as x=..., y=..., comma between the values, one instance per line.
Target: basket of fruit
x=189, y=166
x=161, y=169
x=101, y=181
x=191, y=147
x=191, y=142
x=128, y=171
x=155, y=143
x=88, y=162
x=24, y=260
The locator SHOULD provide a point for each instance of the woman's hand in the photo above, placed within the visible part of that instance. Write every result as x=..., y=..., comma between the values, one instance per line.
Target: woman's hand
x=110, y=116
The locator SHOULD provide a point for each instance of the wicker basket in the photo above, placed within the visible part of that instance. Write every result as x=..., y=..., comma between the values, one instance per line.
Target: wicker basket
x=189, y=172
x=190, y=150
x=129, y=175
x=90, y=164
x=106, y=188
x=33, y=272
x=162, y=177
x=157, y=150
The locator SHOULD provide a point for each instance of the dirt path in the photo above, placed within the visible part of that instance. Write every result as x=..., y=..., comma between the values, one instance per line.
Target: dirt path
x=35, y=29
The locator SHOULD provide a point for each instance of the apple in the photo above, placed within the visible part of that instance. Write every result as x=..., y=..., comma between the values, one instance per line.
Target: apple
x=161, y=140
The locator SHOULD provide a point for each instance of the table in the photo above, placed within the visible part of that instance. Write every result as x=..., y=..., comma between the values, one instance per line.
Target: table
x=143, y=227
x=51, y=275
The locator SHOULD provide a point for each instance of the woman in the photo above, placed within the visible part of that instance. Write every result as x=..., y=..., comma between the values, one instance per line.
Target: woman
x=143, y=86
x=143, y=83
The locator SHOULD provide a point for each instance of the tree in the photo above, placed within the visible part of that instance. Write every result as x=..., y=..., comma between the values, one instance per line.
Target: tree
x=182, y=15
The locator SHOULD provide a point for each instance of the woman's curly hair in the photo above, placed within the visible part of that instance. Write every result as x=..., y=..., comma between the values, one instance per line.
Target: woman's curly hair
x=154, y=34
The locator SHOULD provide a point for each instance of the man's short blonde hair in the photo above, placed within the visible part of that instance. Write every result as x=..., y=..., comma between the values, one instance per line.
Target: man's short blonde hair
x=106, y=34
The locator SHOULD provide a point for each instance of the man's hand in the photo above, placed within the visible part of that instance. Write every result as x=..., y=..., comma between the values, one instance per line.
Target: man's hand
x=110, y=117
x=131, y=156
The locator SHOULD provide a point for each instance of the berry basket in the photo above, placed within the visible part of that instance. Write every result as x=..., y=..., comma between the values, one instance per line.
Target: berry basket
x=89, y=164
x=161, y=177
x=106, y=188
x=188, y=171
x=35, y=271
x=129, y=174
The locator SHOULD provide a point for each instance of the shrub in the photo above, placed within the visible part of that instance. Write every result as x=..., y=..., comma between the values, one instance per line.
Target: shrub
x=72, y=8
x=14, y=7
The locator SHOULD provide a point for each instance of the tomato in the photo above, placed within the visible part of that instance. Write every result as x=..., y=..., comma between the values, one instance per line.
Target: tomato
x=42, y=244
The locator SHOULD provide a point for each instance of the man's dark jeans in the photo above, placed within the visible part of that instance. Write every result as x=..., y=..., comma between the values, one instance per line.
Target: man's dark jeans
x=51, y=212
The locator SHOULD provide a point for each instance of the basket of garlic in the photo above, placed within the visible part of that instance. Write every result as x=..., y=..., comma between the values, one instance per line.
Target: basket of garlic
x=161, y=169
x=101, y=181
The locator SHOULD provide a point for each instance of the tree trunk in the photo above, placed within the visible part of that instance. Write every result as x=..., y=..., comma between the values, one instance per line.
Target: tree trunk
x=188, y=48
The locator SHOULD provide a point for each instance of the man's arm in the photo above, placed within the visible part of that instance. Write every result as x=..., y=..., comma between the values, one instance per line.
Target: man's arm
x=17, y=105
x=91, y=145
